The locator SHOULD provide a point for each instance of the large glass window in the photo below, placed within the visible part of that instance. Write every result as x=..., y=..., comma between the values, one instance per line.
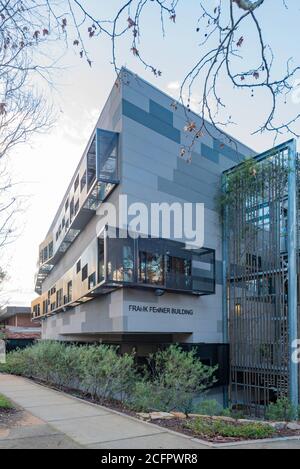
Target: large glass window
x=120, y=263
x=151, y=268
x=179, y=273
x=107, y=156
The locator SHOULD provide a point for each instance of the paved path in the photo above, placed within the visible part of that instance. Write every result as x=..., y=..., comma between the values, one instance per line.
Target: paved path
x=70, y=422
x=55, y=420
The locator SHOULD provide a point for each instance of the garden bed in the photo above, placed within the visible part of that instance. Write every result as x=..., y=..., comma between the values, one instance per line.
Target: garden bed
x=210, y=430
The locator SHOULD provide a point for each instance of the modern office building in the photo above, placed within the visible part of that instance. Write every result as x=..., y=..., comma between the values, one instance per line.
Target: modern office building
x=98, y=283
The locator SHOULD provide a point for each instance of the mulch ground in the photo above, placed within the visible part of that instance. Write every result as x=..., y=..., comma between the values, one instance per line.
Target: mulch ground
x=9, y=417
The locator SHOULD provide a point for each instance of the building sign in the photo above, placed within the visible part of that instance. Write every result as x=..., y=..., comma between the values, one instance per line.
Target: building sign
x=160, y=310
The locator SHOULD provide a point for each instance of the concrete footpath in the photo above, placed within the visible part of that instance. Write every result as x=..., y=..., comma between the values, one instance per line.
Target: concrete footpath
x=52, y=419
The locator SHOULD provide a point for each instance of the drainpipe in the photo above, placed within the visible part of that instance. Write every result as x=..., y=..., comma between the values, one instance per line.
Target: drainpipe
x=292, y=273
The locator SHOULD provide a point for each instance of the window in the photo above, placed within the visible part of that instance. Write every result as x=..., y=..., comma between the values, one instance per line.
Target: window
x=92, y=280
x=53, y=290
x=71, y=209
x=120, y=265
x=76, y=207
x=45, y=306
x=151, y=268
x=70, y=291
x=59, y=297
x=76, y=183
x=67, y=205
x=37, y=310
x=101, y=267
x=179, y=272
x=78, y=266
x=52, y=306
x=107, y=157
x=51, y=249
x=84, y=273
x=91, y=164
x=83, y=182
x=63, y=222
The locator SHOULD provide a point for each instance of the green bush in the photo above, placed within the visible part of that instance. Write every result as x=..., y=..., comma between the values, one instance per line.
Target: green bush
x=108, y=375
x=209, y=407
x=177, y=378
x=215, y=428
x=282, y=410
x=142, y=397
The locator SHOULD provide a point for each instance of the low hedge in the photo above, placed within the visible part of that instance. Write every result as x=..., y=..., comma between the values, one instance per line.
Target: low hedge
x=171, y=380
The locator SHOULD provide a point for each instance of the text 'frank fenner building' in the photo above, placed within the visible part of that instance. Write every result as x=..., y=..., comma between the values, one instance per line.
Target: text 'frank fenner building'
x=234, y=298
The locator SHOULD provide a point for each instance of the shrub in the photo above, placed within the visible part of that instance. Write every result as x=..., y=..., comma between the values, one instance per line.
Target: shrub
x=282, y=410
x=214, y=428
x=106, y=374
x=178, y=377
x=142, y=398
x=209, y=407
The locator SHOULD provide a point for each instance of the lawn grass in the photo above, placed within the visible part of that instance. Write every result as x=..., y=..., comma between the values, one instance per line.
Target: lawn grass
x=5, y=403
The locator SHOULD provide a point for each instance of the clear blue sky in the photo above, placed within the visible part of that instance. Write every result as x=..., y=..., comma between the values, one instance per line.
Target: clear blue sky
x=46, y=167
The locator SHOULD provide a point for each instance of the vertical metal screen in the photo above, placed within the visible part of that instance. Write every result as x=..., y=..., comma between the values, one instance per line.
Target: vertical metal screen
x=257, y=227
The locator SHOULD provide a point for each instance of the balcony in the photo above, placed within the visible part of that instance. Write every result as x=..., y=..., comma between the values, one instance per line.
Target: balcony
x=100, y=177
x=121, y=260
x=153, y=263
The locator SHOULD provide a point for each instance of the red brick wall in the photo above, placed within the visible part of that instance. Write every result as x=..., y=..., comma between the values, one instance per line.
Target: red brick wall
x=24, y=320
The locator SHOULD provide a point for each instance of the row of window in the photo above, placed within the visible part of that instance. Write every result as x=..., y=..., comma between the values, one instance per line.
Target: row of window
x=61, y=299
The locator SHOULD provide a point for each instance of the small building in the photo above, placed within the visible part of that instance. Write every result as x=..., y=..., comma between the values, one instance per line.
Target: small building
x=18, y=327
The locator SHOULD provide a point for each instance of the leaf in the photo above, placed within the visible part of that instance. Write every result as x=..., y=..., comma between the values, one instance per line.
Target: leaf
x=76, y=42
x=173, y=17
x=135, y=51
x=131, y=23
x=190, y=127
x=3, y=109
x=240, y=41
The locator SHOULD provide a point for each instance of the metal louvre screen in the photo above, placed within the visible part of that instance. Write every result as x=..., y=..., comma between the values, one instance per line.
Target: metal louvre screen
x=256, y=230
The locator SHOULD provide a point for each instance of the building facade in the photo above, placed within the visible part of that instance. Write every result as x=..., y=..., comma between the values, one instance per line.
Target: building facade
x=18, y=328
x=139, y=291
